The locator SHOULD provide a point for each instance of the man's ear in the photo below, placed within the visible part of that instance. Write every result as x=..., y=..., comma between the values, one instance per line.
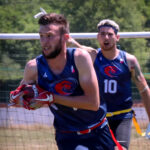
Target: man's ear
x=97, y=36
x=66, y=36
x=118, y=37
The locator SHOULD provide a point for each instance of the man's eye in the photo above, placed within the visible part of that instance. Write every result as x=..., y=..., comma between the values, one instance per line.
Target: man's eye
x=41, y=35
x=50, y=35
x=110, y=34
x=102, y=33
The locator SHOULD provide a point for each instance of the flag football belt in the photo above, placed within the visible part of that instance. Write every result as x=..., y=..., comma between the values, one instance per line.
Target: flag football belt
x=86, y=130
x=136, y=125
x=92, y=128
x=110, y=114
x=138, y=129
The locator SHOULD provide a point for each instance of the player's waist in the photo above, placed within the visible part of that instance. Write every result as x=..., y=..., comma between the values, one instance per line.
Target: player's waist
x=114, y=113
x=89, y=129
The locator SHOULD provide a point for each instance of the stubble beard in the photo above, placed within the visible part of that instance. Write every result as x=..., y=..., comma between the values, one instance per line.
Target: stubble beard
x=56, y=51
x=109, y=48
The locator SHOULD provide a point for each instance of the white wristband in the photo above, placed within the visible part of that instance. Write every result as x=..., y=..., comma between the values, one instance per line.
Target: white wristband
x=144, y=89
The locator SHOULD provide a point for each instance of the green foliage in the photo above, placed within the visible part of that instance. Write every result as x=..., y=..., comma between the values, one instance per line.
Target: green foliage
x=17, y=16
x=10, y=69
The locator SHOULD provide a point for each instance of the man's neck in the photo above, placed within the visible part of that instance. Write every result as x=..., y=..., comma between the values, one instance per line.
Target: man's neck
x=57, y=64
x=110, y=54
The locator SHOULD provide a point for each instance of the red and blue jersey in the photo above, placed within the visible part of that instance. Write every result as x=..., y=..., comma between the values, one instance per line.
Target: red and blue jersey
x=66, y=83
x=115, y=83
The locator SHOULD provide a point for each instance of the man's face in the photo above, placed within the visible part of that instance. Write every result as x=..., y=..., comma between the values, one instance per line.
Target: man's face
x=51, y=40
x=107, y=38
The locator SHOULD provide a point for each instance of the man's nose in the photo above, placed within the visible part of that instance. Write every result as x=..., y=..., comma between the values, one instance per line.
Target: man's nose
x=44, y=40
x=106, y=36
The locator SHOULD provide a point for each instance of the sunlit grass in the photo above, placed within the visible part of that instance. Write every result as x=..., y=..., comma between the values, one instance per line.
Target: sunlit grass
x=27, y=138
x=42, y=138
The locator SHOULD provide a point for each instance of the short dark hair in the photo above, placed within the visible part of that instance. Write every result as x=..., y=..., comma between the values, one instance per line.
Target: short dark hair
x=108, y=23
x=53, y=18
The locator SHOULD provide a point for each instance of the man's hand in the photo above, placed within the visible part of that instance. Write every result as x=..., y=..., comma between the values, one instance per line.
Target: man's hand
x=16, y=96
x=44, y=97
x=31, y=97
x=148, y=132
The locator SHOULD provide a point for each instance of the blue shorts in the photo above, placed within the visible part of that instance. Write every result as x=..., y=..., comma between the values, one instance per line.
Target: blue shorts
x=98, y=139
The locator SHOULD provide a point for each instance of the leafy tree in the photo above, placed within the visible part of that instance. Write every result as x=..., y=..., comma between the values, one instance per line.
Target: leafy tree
x=83, y=15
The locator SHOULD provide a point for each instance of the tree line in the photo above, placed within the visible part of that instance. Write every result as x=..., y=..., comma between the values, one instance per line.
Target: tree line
x=83, y=15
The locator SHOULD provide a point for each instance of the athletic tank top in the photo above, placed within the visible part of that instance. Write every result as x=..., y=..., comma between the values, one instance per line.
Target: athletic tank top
x=66, y=83
x=115, y=83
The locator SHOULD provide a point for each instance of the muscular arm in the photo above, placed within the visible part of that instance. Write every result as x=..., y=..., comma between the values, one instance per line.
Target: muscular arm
x=87, y=77
x=88, y=81
x=73, y=43
x=140, y=81
x=30, y=72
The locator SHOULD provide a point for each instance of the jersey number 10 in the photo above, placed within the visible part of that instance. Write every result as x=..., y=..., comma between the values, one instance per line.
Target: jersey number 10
x=110, y=86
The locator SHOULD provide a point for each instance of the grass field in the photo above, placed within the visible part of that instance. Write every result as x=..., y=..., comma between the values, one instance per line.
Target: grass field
x=42, y=138
x=21, y=129
x=27, y=138
x=138, y=142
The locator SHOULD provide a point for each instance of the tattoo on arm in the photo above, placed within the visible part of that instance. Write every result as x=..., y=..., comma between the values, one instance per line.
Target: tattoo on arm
x=136, y=69
x=137, y=72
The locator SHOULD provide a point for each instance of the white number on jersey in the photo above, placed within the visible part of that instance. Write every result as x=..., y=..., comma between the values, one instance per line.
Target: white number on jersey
x=110, y=86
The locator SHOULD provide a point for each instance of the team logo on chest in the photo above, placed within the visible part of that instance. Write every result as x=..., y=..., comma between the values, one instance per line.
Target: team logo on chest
x=111, y=71
x=65, y=86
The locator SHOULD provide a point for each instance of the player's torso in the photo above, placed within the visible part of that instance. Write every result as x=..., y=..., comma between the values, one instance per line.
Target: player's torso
x=66, y=83
x=114, y=81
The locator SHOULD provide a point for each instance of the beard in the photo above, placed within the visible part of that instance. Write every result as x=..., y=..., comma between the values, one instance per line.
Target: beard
x=108, y=47
x=56, y=51
x=53, y=54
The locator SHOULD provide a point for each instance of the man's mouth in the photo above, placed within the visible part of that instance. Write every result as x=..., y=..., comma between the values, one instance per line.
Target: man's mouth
x=106, y=43
x=45, y=48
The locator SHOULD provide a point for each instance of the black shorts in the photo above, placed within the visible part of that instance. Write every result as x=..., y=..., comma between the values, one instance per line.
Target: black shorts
x=122, y=130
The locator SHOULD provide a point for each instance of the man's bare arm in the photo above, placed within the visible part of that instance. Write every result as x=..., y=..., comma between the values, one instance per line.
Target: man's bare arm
x=140, y=81
x=87, y=76
x=73, y=43
x=30, y=73
x=88, y=81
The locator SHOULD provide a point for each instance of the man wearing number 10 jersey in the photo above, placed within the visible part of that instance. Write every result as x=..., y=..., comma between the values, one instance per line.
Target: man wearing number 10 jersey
x=115, y=88
x=115, y=83
x=115, y=68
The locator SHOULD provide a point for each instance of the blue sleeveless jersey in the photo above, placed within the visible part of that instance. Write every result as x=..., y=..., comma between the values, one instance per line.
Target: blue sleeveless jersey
x=115, y=83
x=66, y=83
